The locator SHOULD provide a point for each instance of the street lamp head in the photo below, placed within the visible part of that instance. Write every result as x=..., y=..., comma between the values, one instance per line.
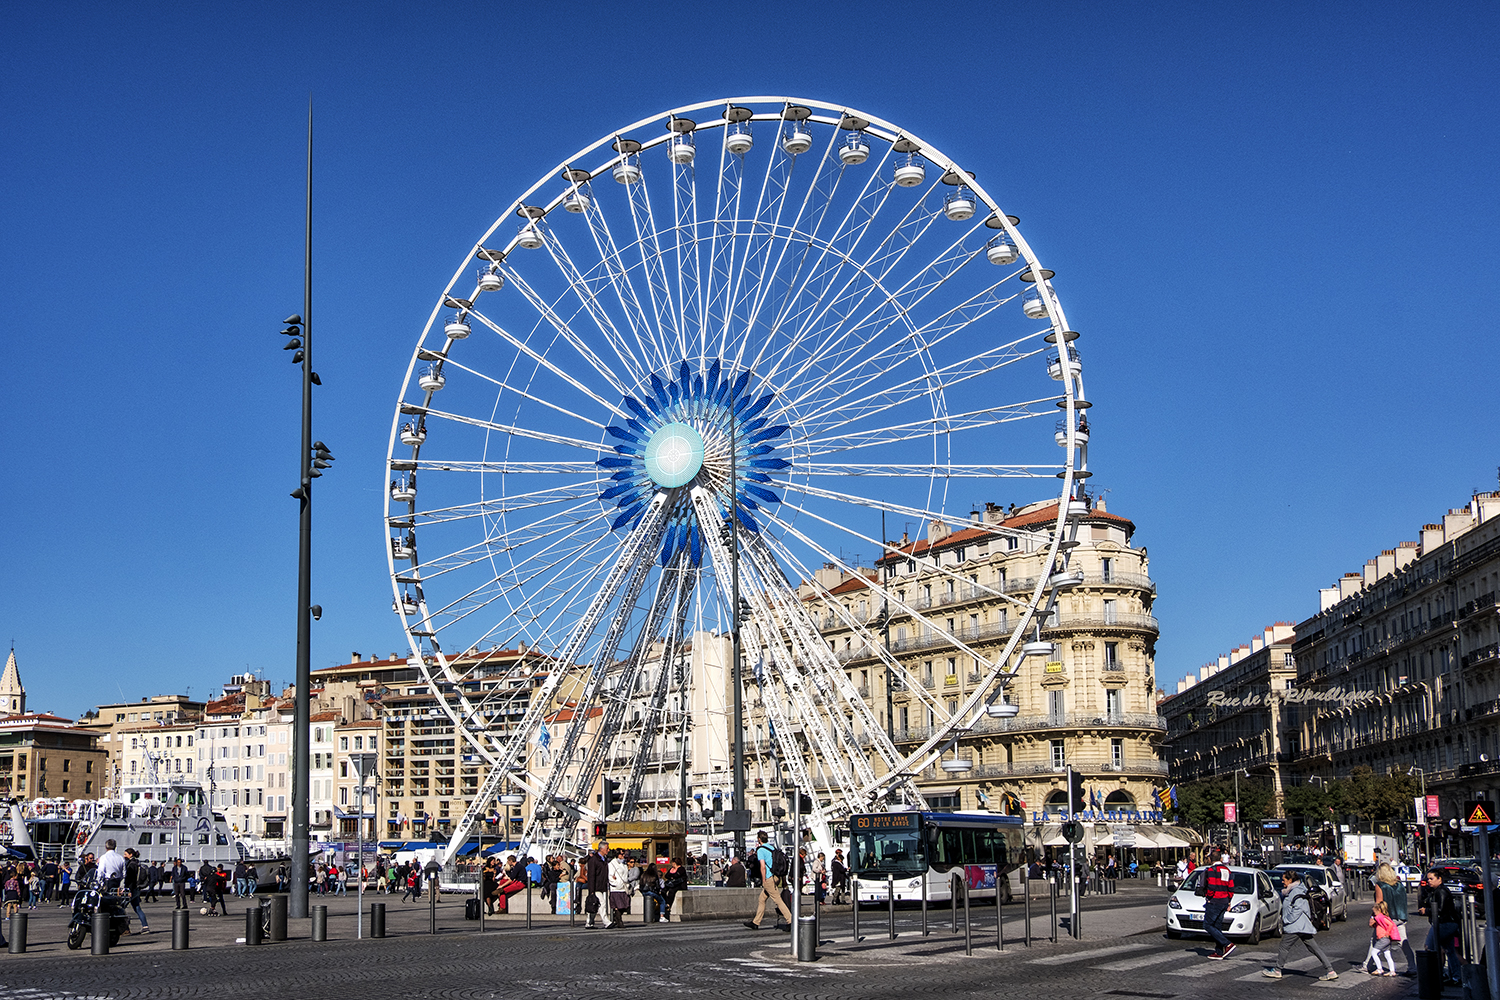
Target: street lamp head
x=295, y=319
x=317, y=612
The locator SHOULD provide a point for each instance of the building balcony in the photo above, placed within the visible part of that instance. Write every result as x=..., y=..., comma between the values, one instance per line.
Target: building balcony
x=1484, y=656
x=1031, y=723
x=1130, y=766
x=1101, y=622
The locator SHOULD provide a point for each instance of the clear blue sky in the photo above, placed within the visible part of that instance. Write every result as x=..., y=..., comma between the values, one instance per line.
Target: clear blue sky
x=1273, y=222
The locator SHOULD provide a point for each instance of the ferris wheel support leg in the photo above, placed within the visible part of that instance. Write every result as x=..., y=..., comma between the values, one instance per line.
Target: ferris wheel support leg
x=645, y=533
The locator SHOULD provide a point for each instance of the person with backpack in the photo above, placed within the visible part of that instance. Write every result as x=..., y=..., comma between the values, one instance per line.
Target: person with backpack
x=1297, y=928
x=771, y=863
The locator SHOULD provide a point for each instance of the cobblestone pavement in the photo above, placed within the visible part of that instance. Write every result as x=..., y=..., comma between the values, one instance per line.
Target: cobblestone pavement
x=1123, y=954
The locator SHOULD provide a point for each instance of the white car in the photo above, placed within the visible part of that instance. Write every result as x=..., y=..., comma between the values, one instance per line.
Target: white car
x=1254, y=911
x=1320, y=879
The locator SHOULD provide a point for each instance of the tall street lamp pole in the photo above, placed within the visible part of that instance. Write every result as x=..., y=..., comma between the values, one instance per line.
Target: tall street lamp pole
x=1426, y=819
x=313, y=458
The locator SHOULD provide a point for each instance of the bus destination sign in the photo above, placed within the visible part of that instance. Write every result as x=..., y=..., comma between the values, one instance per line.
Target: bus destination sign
x=884, y=821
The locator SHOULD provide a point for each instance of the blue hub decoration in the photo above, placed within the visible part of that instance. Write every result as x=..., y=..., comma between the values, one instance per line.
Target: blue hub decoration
x=678, y=435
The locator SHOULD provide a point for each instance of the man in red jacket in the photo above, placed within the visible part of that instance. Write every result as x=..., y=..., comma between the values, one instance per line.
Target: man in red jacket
x=1218, y=886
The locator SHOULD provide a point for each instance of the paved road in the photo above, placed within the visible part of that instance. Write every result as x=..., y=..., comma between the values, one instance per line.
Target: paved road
x=1124, y=954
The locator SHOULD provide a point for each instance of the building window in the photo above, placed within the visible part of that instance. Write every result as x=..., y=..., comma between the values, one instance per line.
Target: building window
x=88, y=767
x=1112, y=656
x=1106, y=569
x=1059, y=758
x=1114, y=701
x=1117, y=753
x=359, y=742
x=65, y=787
x=1057, y=708
x=343, y=743
x=952, y=665
x=1110, y=617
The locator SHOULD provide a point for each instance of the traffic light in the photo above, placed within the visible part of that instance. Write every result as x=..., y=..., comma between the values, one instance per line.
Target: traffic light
x=1076, y=798
x=611, y=797
x=601, y=830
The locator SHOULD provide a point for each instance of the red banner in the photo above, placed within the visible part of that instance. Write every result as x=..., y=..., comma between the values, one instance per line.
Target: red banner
x=1229, y=813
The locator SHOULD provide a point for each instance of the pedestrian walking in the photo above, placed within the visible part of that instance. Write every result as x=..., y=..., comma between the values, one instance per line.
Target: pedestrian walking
x=1442, y=912
x=840, y=872
x=1389, y=889
x=179, y=884
x=594, y=876
x=619, y=890
x=771, y=864
x=1384, y=929
x=135, y=875
x=1217, y=889
x=1297, y=928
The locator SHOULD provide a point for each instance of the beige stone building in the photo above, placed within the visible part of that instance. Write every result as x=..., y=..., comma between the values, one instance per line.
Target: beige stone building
x=113, y=722
x=1090, y=705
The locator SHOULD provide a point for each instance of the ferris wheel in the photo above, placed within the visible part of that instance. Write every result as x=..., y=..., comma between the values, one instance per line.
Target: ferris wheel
x=716, y=352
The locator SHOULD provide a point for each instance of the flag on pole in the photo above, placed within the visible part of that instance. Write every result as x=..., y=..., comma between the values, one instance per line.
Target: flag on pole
x=1095, y=802
x=1165, y=798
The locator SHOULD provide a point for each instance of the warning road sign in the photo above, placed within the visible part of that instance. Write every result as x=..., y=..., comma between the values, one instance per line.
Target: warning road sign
x=1479, y=813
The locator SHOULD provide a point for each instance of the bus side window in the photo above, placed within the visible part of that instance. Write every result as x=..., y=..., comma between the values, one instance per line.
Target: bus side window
x=953, y=847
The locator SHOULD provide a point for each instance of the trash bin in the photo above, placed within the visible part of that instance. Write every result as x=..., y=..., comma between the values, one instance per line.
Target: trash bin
x=807, y=939
x=1429, y=975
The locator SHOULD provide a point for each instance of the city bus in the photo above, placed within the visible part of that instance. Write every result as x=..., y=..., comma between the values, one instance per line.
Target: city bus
x=909, y=847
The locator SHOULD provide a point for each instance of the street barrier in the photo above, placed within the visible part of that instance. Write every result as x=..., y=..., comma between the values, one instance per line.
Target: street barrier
x=179, y=930
x=377, y=920
x=320, y=923
x=18, y=933
x=890, y=895
x=854, y=897
x=252, y=926
x=99, y=932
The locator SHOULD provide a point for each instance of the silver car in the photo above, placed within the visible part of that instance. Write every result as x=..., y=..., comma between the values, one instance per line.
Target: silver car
x=1321, y=879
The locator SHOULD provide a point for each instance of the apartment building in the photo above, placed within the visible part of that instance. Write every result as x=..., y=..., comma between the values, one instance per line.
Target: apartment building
x=1090, y=705
x=1237, y=713
x=1404, y=658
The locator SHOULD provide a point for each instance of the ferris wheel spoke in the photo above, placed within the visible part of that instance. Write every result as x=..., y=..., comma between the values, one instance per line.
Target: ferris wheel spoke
x=721, y=251
x=973, y=420
x=929, y=471
x=511, y=429
x=637, y=315
x=504, y=468
x=914, y=389
x=876, y=328
x=534, y=500
x=586, y=291
x=664, y=311
x=884, y=655
x=563, y=330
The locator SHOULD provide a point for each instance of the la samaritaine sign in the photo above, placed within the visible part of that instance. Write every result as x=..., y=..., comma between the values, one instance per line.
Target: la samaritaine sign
x=1101, y=816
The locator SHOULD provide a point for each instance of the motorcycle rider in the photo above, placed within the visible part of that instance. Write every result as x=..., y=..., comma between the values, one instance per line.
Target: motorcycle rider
x=111, y=866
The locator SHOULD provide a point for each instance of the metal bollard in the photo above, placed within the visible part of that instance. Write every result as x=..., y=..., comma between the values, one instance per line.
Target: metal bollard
x=968, y=924
x=278, y=918
x=807, y=939
x=252, y=925
x=1026, y=890
x=432, y=895
x=1053, y=897
x=320, y=923
x=528, y=902
x=1000, y=914
x=179, y=930
x=890, y=896
x=377, y=920
x=18, y=933
x=99, y=932
x=650, y=910
x=854, y=900
x=924, y=904
x=953, y=899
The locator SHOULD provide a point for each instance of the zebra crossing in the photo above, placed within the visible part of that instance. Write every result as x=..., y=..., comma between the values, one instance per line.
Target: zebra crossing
x=1187, y=963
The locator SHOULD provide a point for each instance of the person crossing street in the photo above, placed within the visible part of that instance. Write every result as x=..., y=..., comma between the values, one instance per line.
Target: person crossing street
x=1218, y=892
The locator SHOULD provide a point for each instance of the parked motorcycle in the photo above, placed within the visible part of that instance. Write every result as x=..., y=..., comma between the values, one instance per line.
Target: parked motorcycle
x=95, y=898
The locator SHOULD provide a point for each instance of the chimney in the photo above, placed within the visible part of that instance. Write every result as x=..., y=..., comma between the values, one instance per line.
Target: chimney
x=1099, y=505
x=1456, y=522
x=1432, y=538
x=1223, y=661
x=354, y=658
x=1349, y=585
x=1327, y=598
x=1371, y=573
x=1257, y=643
x=937, y=531
x=1486, y=505
x=1385, y=563
x=1283, y=630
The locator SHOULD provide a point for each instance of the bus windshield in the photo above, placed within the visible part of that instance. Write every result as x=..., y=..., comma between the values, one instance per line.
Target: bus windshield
x=894, y=851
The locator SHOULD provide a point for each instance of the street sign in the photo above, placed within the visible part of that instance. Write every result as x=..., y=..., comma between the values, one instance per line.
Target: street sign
x=1124, y=835
x=1273, y=827
x=1420, y=805
x=1477, y=812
